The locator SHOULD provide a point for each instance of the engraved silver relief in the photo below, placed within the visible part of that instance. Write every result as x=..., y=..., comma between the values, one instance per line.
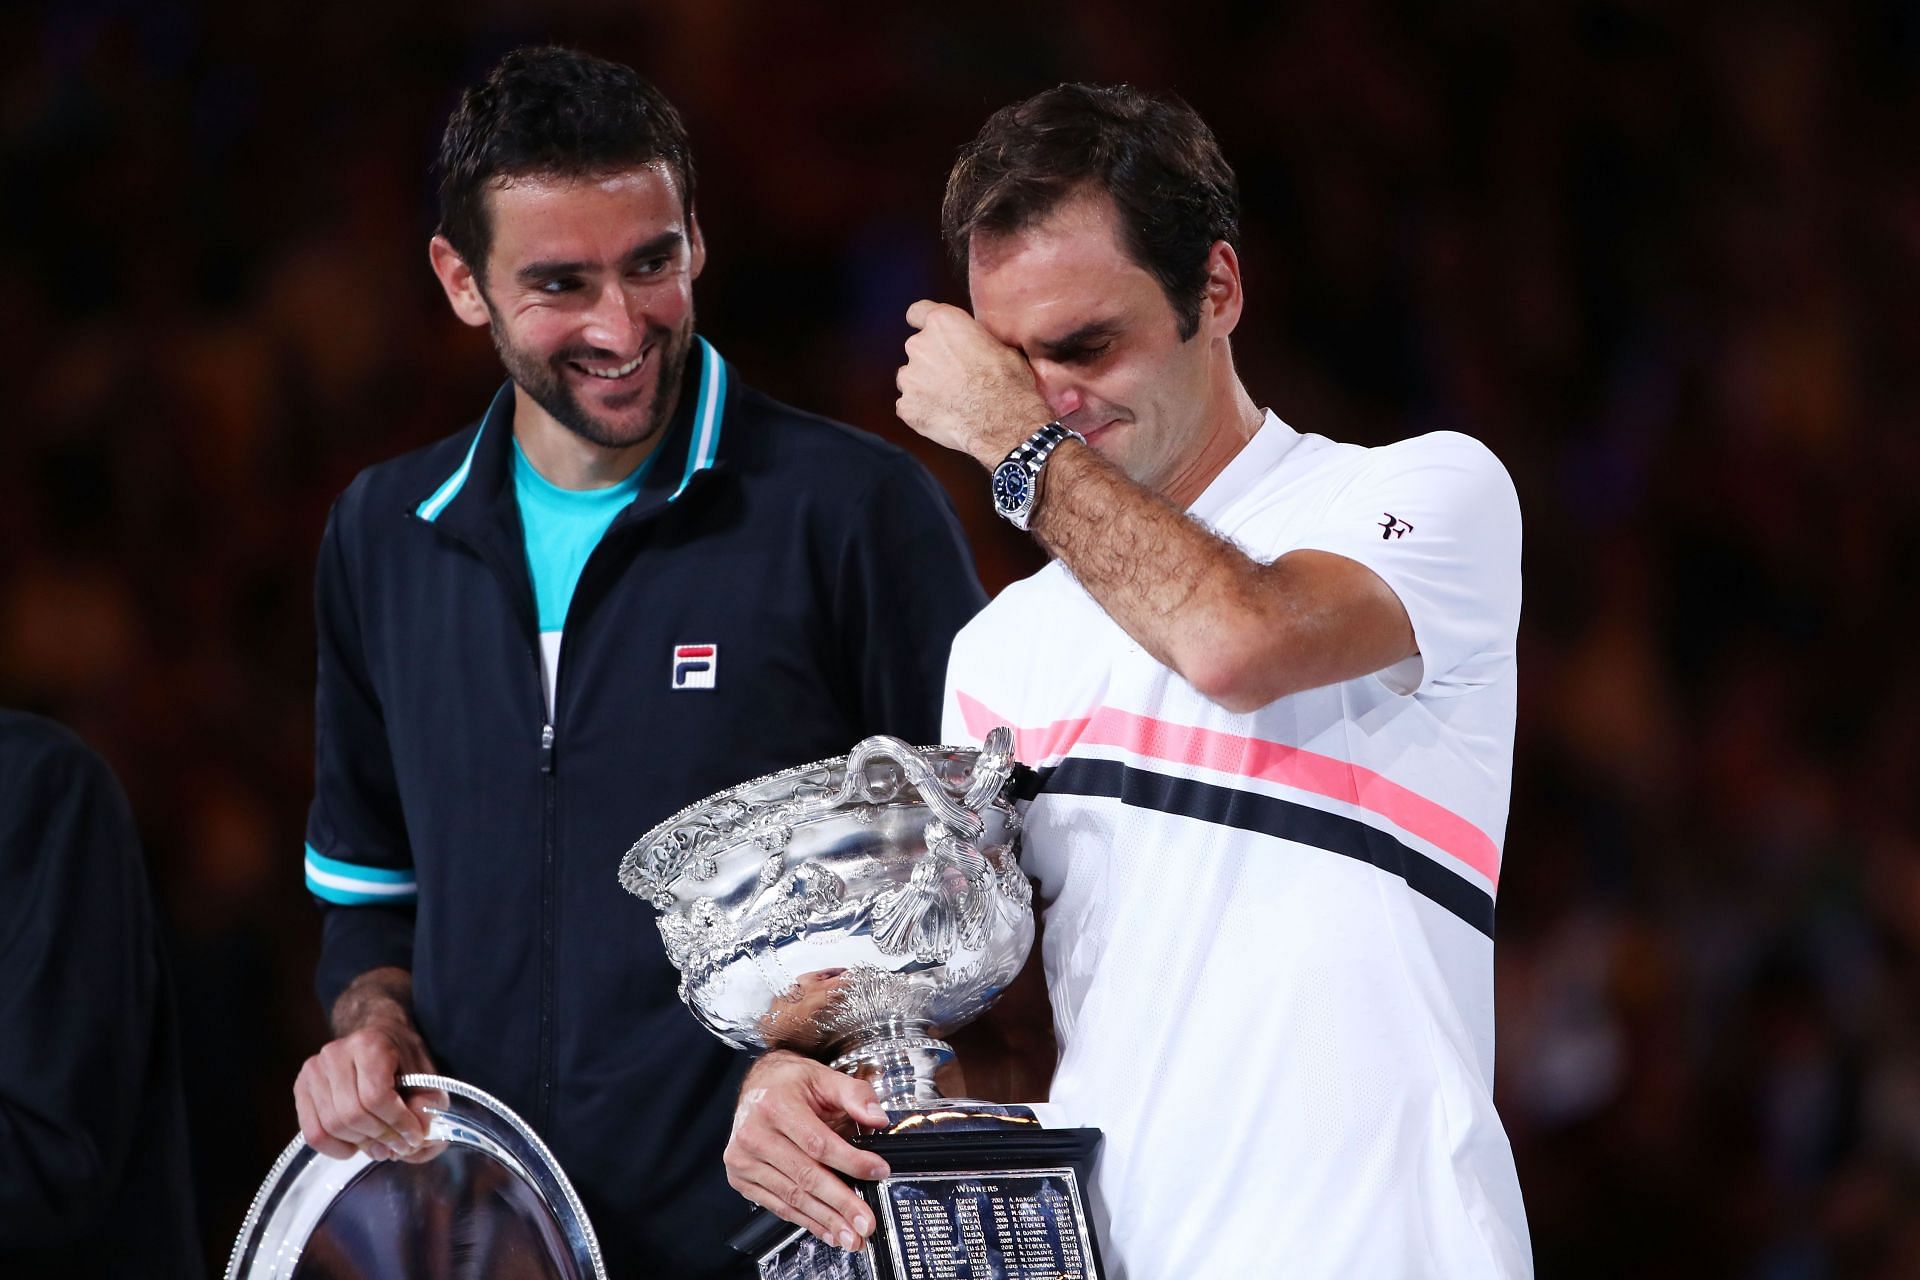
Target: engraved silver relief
x=859, y=907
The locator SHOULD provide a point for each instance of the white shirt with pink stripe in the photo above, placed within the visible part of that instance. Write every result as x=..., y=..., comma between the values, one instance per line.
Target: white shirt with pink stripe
x=1268, y=937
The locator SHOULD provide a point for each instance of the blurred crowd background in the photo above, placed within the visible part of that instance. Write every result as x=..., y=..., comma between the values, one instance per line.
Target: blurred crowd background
x=1662, y=257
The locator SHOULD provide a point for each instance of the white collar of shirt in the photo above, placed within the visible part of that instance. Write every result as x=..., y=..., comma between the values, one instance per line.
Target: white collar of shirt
x=1257, y=458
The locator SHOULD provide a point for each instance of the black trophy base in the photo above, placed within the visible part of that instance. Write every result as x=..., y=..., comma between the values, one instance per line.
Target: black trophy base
x=967, y=1204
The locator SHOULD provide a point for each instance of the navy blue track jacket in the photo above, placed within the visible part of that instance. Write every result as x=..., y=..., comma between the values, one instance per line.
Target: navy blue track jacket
x=456, y=833
x=95, y=1179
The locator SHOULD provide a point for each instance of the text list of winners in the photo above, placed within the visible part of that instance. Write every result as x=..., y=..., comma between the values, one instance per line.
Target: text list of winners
x=1006, y=1227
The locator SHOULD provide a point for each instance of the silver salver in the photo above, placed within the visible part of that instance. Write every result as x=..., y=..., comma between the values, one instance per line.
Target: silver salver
x=490, y=1202
x=856, y=909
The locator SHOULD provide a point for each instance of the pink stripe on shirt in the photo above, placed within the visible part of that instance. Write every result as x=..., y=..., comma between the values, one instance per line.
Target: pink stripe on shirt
x=1250, y=758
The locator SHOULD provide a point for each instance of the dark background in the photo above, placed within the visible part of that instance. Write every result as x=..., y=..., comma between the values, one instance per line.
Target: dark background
x=1662, y=258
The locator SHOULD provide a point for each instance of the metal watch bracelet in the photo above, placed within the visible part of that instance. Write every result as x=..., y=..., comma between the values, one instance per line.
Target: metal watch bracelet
x=1030, y=456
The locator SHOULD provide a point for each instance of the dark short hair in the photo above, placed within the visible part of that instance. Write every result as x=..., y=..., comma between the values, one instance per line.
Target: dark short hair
x=551, y=112
x=1151, y=153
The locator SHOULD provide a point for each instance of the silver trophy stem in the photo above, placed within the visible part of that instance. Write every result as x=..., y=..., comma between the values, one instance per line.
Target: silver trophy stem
x=899, y=1065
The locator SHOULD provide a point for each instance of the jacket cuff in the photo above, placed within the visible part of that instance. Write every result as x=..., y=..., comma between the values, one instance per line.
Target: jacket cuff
x=357, y=939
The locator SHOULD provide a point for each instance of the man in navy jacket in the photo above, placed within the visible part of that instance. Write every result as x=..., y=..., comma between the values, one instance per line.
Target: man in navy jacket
x=633, y=583
x=94, y=1175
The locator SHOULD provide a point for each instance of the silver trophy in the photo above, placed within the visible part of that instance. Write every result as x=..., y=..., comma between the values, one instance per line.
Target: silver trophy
x=857, y=910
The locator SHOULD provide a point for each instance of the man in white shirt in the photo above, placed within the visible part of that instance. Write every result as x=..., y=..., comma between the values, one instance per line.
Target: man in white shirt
x=1269, y=683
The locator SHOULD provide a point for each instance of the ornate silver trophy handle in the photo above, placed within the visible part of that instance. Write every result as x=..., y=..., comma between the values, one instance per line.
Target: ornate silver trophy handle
x=990, y=773
x=991, y=769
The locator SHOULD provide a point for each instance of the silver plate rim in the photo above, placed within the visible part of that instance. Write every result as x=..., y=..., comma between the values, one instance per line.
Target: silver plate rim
x=446, y=1084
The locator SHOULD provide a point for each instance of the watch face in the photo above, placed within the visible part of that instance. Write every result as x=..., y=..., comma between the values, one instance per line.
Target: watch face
x=1012, y=486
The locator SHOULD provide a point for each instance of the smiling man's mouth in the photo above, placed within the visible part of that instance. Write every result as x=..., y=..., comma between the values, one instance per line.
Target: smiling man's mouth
x=614, y=374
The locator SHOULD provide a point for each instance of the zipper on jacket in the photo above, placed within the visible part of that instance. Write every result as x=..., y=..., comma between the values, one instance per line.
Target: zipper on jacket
x=549, y=907
x=549, y=895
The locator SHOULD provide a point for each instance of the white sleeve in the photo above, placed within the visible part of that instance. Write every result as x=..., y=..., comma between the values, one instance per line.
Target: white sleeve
x=953, y=726
x=1438, y=519
x=953, y=720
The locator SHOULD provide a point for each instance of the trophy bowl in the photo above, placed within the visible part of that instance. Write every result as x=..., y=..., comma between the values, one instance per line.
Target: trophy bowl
x=856, y=909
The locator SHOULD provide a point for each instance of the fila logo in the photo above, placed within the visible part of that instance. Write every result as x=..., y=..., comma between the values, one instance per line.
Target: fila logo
x=1393, y=527
x=695, y=665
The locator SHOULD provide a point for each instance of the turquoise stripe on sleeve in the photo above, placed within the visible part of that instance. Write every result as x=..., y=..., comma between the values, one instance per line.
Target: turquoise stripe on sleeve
x=378, y=875
x=351, y=884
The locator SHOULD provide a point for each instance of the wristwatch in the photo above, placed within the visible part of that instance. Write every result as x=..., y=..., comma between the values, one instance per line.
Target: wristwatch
x=1016, y=482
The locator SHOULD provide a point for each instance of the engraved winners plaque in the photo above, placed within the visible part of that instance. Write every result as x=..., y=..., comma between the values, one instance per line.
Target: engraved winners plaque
x=1013, y=1225
x=857, y=910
